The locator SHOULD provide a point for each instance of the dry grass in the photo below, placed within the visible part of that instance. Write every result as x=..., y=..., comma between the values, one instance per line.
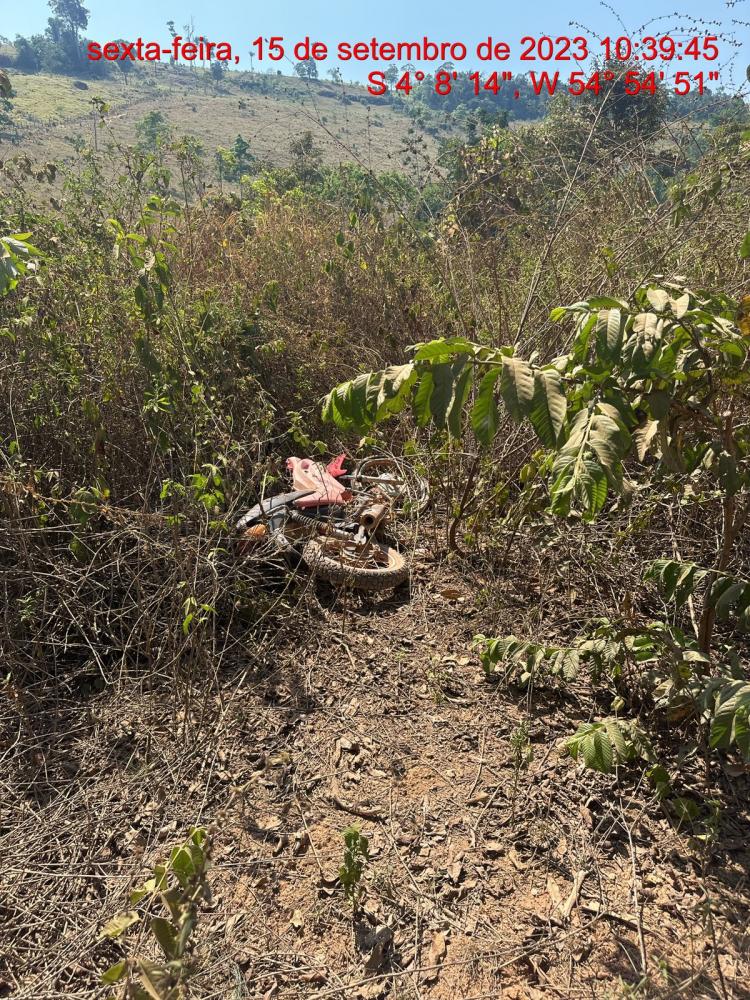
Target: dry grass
x=51, y=112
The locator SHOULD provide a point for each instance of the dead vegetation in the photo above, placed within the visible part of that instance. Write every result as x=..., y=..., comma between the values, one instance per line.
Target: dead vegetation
x=479, y=879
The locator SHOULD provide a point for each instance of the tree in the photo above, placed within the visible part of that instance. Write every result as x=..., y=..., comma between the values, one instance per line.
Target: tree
x=6, y=92
x=232, y=163
x=242, y=155
x=307, y=69
x=218, y=70
x=124, y=65
x=28, y=53
x=72, y=14
x=306, y=156
x=226, y=164
x=335, y=74
x=627, y=114
x=391, y=74
x=152, y=131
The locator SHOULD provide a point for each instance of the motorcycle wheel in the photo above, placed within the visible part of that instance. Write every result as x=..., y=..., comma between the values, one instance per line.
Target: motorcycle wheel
x=336, y=561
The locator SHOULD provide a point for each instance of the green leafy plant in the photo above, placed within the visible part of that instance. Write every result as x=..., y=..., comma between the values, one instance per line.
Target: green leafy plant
x=522, y=755
x=635, y=370
x=356, y=855
x=179, y=885
x=525, y=662
x=605, y=744
x=657, y=379
x=17, y=257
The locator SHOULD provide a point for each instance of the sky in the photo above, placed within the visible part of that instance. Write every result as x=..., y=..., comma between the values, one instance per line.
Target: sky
x=468, y=21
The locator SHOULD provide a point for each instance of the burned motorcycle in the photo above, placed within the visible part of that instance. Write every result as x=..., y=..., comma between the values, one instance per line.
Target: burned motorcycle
x=338, y=523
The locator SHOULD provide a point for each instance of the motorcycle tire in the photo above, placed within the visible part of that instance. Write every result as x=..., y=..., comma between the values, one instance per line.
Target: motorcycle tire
x=372, y=578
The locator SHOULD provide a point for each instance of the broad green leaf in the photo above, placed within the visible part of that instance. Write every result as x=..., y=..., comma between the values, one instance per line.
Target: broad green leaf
x=745, y=248
x=648, y=325
x=166, y=935
x=484, y=410
x=578, y=480
x=609, y=441
x=680, y=306
x=395, y=384
x=606, y=302
x=597, y=751
x=584, y=330
x=609, y=332
x=119, y=924
x=114, y=973
x=445, y=377
x=421, y=402
x=643, y=437
x=659, y=403
x=443, y=349
x=729, y=724
x=154, y=977
x=589, y=459
x=616, y=737
x=548, y=406
x=677, y=580
x=460, y=394
x=728, y=599
x=369, y=398
x=517, y=387
x=16, y=256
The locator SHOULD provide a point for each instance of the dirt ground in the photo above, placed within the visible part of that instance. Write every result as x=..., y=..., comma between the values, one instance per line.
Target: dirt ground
x=484, y=881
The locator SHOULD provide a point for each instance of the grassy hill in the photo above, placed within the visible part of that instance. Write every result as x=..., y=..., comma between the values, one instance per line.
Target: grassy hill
x=54, y=114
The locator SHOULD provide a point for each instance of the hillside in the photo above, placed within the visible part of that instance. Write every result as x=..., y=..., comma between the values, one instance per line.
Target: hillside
x=54, y=113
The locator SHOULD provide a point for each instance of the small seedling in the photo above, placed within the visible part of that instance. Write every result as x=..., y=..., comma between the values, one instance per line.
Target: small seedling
x=523, y=754
x=179, y=884
x=356, y=854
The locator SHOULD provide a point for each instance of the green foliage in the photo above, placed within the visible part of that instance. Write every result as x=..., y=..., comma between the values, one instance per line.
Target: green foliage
x=521, y=748
x=604, y=745
x=627, y=115
x=17, y=258
x=632, y=370
x=471, y=108
x=678, y=581
x=6, y=92
x=306, y=156
x=727, y=704
x=307, y=69
x=152, y=131
x=179, y=884
x=356, y=855
x=147, y=251
x=72, y=13
x=232, y=164
x=60, y=48
x=523, y=662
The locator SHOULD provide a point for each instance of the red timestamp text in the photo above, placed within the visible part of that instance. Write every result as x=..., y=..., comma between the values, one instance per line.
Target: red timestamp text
x=577, y=83
x=623, y=48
